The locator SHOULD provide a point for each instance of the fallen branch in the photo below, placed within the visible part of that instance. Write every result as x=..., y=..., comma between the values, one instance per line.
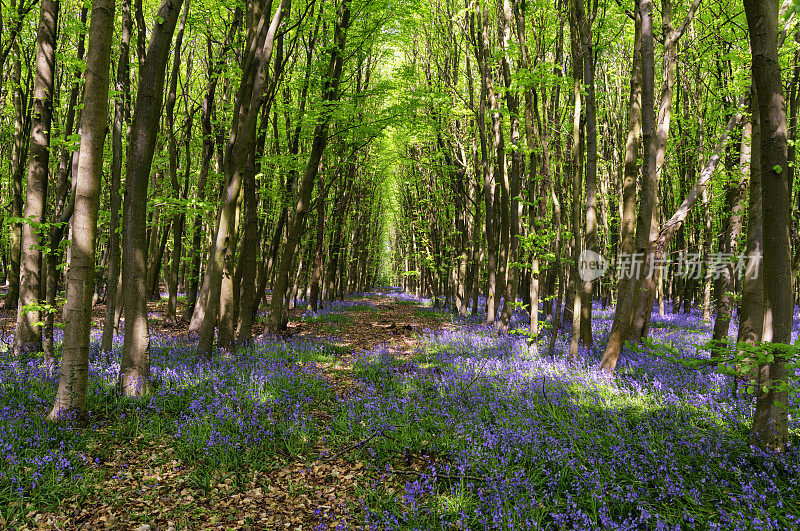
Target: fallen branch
x=437, y=476
x=361, y=443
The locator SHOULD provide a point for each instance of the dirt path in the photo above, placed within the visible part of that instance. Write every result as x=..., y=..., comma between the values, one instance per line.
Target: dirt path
x=322, y=488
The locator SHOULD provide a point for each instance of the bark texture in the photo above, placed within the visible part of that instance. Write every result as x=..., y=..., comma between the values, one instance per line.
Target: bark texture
x=134, y=376
x=27, y=337
x=73, y=377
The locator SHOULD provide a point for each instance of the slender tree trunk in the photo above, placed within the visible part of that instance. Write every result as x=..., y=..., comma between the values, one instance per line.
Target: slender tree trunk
x=648, y=284
x=228, y=291
x=587, y=51
x=478, y=31
x=154, y=272
x=134, y=375
x=63, y=207
x=19, y=153
x=120, y=117
x=28, y=336
x=172, y=145
x=335, y=256
x=576, y=170
x=510, y=186
x=249, y=254
x=261, y=37
x=73, y=378
x=627, y=283
x=770, y=421
x=735, y=202
x=277, y=318
x=751, y=309
x=319, y=249
x=708, y=249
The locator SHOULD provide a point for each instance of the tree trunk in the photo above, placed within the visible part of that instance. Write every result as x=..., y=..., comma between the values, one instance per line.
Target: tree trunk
x=277, y=318
x=482, y=59
x=154, y=272
x=261, y=37
x=134, y=375
x=335, y=256
x=194, y=307
x=627, y=283
x=120, y=116
x=319, y=248
x=510, y=186
x=751, y=309
x=172, y=145
x=587, y=51
x=576, y=169
x=770, y=421
x=68, y=165
x=27, y=337
x=734, y=201
x=19, y=153
x=73, y=378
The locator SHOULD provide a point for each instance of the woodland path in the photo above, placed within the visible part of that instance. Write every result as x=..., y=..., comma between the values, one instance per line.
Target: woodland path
x=142, y=479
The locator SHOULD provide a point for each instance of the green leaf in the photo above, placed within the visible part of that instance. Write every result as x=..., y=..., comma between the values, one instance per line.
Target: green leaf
x=777, y=168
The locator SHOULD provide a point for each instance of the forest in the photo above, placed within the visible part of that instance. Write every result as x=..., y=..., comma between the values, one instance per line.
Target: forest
x=417, y=264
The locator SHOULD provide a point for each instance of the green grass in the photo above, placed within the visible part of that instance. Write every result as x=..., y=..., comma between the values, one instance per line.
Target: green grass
x=338, y=318
x=433, y=314
x=360, y=308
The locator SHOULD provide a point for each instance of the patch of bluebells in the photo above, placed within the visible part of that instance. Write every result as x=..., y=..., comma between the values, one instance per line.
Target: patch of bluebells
x=33, y=453
x=222, y=412
x=566, y=446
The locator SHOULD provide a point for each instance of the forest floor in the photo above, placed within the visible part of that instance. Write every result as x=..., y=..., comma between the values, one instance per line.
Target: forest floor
x=138, y=483
x=382, y=412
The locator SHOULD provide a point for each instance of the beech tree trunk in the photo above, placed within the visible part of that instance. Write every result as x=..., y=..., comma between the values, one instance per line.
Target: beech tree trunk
x=651, y=277
x=627, y=243
x=277, y=319
x=178, y=217
x=19, y=153
x=734, y=201
x=751, y=308
x=648, y=209
x=510, y=185
x=590, y=184
x=27, y=337
x=478, y=31
x=576, y=170
x=67, y=165
x=134, y=375
x=194, y=309
x=770, y=421
x=261, y=37
x=319, y=248
x=73, y=377
x=113, y=307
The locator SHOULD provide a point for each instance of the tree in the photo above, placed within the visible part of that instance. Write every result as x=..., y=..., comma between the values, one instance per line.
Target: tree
x=261, y=37
x=330, y=95
x=121, y=106
x=134, y=375
x=28, y=334
x=72, y=382
x=770, y=421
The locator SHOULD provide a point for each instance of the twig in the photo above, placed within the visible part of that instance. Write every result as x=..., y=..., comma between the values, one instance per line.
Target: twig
x=360, y=443
x=437, y=476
